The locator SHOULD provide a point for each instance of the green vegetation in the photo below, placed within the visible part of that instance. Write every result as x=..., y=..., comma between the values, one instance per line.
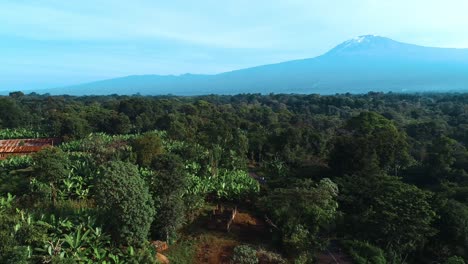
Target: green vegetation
x=376, y=178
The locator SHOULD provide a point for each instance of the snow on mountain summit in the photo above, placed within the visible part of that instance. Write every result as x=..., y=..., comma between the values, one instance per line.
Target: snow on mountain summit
x=363, y=43
x=364, y=38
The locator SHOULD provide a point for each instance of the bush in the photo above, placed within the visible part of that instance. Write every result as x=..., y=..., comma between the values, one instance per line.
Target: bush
x=124, y=202
x=244, y=254
x=364, y=253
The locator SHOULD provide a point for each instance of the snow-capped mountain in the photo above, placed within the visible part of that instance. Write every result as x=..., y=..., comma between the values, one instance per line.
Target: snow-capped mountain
x=362, y=64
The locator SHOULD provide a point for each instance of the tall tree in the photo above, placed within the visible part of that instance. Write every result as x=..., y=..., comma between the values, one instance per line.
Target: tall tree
x=167, y=186
x=124, y=203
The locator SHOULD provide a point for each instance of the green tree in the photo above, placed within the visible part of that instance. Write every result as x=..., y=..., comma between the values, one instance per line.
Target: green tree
x=124, y=203
x=167, y=185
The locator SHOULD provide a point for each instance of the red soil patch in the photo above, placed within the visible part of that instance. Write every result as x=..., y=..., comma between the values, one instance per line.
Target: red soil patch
x=215, y=251
x=246, y=220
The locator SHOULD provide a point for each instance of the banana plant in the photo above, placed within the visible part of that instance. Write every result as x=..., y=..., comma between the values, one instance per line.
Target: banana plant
x=16, y=162
x=52, y=248
x=233, y=185
x=76, y=242
x=74, y=186
x=20, y=133
x=116, y=259
x=99, y=254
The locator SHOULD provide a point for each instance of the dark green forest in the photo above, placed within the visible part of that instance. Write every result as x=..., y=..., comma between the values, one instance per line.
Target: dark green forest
x=374, y=178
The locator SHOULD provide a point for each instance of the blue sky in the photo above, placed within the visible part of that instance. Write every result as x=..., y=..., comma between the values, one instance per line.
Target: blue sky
x=51, y=43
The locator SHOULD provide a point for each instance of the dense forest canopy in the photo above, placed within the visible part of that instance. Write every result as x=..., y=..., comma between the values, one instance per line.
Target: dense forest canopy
x=383, y=176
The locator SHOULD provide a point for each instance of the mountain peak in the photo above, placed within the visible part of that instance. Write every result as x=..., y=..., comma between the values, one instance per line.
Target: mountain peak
x=364, y=43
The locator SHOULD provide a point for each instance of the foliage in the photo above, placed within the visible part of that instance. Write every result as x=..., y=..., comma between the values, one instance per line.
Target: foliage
x=370, y=133
x=11, y=114
x=407, y=213
x=14, y=182
x=367, y=199
x=233, y=185
x=147, y=147
x=455, y=260
x=19, y=232
x=16, y=162
x=300, y=222
x=452, y=224
x=124, y=202
x=20, y=133
x=167, y=186
x=364, y=253
x=50, y=169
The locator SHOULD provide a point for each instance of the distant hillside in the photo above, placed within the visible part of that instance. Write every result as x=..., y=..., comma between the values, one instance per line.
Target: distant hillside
x=358, y=65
